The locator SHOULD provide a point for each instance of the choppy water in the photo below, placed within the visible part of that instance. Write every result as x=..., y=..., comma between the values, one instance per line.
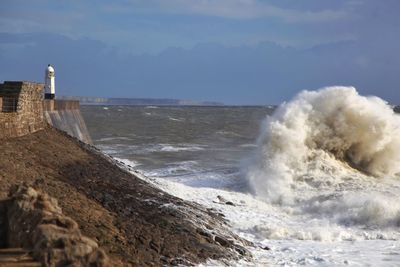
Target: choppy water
x=179, y=143
x=293, y=194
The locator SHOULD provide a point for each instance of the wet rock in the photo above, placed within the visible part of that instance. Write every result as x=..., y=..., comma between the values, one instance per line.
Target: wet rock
x=222, y=241
x=222, y=200
x=155, y=246
x=204, y=233
x=242, y=251
x=179, y=262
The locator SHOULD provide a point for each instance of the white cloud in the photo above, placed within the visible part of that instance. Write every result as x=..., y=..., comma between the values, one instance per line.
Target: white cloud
x=25, y=21
x=235, y=9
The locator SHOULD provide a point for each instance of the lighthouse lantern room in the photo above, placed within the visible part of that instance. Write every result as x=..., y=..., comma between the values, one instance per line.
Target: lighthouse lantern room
x=50, y=87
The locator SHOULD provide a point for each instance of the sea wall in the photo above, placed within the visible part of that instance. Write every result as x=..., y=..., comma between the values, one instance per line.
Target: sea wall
x=66, y=116
x=21, y=109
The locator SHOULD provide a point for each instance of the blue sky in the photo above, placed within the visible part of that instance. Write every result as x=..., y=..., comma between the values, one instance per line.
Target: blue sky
x=233, y=51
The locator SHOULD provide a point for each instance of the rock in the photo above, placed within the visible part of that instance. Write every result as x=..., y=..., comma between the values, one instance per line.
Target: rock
x=36, y=222
x=222, y=241
x=178, y=262
x=242, y=251
x=154, y=245
x=222, y=200
x=203, y=233
x=61, y=221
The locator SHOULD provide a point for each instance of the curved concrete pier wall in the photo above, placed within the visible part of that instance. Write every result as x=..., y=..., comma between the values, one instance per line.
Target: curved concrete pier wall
x=66, y=116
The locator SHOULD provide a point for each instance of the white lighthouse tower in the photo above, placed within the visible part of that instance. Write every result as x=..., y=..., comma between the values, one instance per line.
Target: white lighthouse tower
x=50, y=86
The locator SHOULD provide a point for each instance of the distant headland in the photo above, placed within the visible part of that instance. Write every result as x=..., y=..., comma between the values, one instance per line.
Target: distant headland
x=88, y=100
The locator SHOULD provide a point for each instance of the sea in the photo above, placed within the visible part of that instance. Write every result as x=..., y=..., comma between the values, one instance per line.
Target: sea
x=313, y=181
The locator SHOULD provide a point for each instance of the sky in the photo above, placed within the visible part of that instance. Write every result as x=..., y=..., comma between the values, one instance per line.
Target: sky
x=252, y=52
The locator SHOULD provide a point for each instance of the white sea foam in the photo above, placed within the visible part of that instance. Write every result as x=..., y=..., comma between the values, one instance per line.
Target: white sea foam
x=292, y=239
x=229, y=133
x=176, y=119
x=332, y=154
x=175, y=169
x=116, y=149
x=177, y=148
x=170, y=148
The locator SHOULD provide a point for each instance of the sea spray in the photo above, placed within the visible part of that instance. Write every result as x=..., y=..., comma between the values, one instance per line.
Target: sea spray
x=328, y=152
x=333, y=126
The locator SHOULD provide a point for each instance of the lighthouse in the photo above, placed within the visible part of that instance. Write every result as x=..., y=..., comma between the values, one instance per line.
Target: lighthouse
x=50, y=86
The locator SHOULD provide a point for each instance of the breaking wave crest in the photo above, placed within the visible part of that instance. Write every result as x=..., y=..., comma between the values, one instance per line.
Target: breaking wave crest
x=319, y=149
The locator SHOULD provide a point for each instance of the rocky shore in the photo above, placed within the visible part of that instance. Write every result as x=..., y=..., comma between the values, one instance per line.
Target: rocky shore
x=133, y=222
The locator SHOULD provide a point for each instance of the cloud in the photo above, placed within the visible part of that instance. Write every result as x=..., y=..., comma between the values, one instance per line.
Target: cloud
x=232, y=9
x=263, y=74
x=25, y=20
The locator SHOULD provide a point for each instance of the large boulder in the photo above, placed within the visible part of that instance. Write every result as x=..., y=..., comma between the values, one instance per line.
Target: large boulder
x=36, y=222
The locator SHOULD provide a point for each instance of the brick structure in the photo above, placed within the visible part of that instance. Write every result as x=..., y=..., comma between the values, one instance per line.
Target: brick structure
x=21, y=108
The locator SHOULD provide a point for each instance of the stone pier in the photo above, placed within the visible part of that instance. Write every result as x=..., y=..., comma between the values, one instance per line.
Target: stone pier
x=23, y=110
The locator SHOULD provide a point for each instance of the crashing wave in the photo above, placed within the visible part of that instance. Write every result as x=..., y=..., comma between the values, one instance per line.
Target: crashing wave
x=322, y=136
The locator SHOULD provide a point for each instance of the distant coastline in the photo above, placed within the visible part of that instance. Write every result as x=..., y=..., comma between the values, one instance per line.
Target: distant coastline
x=84, y=100
x=111, y=101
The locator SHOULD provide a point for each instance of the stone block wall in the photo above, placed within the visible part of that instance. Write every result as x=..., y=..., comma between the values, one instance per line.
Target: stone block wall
x=21, y=109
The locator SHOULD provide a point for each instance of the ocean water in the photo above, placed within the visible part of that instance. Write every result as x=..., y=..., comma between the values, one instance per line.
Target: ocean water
x=315, y=181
